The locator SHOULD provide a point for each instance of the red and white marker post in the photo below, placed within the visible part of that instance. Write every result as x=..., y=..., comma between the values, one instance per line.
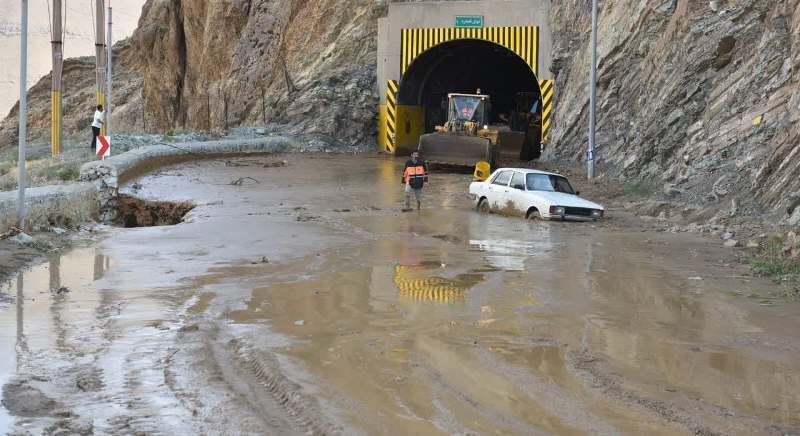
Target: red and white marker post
x=103, y=147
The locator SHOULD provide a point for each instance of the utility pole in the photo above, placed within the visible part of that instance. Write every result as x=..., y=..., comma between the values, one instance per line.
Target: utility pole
x=592, y=95
x=23, y=112
x=107, y=124
x=58, y=66
x=99, y=52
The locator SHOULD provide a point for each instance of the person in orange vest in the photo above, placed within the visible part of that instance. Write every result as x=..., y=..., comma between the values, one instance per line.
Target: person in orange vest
x=415, y=175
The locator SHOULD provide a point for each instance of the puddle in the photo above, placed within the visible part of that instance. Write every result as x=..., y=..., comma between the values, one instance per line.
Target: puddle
x=135, y=212
x=421, y=283
x=482, y=332
x=41, y=305
x=443, y=321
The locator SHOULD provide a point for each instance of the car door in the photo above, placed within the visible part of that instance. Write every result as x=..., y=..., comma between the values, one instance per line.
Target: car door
x=516, y=195
x=498, y=189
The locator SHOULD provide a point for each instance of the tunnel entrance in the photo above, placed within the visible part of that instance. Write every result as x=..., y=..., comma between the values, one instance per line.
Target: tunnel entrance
x=469, y=65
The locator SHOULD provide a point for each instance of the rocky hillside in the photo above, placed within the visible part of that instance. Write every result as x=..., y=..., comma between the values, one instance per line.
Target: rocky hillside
x=201, y=64
x=701, y=95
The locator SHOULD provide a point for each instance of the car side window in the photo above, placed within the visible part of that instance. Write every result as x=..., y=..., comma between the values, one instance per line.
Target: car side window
x=518, y=181
x=502, y=178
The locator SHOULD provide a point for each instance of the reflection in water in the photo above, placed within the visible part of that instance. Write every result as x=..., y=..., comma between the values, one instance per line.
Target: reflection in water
x=22, y=343
x=508, y=254
x=43, y=322
x=415, y=282
x=101, y=264
x=508, y=243
x=55, y=272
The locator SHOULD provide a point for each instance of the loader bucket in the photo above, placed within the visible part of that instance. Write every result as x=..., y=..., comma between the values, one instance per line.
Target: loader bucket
x=455, y=150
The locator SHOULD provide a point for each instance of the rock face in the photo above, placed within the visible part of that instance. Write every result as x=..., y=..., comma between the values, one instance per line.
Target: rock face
x=703, y=95
x=201, y=64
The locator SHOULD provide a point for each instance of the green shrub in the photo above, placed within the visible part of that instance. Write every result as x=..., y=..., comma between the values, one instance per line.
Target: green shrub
x=6, y=166
x=773, y=261
x=639, y=189
x=68, y=173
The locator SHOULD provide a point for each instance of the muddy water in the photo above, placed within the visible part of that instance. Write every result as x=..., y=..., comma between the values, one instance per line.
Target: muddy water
x=303, y=300
x=38, y=310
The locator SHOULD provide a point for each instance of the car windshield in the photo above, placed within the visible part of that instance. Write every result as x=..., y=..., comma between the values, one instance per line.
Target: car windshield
x=547, y=182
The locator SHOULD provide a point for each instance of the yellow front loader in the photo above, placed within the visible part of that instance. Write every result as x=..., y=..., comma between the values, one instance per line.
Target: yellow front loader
x=466, y=138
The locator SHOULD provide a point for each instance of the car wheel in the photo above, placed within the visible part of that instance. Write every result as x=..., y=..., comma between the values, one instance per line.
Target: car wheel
x=483, y=206
x=534, y=215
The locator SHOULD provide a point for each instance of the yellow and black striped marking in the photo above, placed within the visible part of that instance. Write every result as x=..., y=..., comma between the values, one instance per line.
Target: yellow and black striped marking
x=547, y=87
x=391, y=115
x=522, y=40
x=55, y=123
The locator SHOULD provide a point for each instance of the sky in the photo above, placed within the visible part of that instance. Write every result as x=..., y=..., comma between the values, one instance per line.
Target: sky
x=79, y=39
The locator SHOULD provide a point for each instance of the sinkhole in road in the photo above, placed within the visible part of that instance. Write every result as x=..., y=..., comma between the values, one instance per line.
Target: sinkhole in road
x=135, y=212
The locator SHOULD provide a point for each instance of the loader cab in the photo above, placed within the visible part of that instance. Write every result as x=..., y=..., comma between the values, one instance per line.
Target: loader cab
x=469, y=108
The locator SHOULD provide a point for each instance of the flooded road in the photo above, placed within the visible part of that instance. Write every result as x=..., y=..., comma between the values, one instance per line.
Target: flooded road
x=301, y=300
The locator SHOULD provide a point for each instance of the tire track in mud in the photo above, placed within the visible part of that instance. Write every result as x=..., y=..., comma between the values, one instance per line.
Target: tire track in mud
x=590, y=369
x=303, y=411
x=442, y=387
x=265, y=399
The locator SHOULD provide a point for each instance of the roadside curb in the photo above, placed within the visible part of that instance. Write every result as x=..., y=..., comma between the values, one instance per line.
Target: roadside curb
x=54, y=205
x=108, y=174
x=96, y=194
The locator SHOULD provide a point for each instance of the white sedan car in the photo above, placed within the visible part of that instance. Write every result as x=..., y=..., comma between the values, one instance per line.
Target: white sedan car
x=532, y=194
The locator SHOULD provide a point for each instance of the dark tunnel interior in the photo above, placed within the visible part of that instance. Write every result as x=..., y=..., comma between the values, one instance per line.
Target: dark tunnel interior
x=464, y=66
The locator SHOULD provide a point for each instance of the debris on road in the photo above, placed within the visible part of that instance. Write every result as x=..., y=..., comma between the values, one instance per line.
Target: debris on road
x=276, y=164
x=60, y=291
x=23, y=239
x=731, y=243
x=300, y=322
x=14, y=231
x=240, y=181
x=189, y=328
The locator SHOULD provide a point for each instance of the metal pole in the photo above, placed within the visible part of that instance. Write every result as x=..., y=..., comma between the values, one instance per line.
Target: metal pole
x=23, y=112
x=99, y=53
x=58, y=66
x=592, y=94
x=108, y=77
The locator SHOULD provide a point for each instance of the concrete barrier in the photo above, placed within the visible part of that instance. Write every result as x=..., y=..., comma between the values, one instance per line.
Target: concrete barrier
x=108, y=174
x=95, y=196
x=48, y=206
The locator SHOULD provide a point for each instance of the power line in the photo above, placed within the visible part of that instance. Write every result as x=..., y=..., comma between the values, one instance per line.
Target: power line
x=94, y=22
x=50, y=21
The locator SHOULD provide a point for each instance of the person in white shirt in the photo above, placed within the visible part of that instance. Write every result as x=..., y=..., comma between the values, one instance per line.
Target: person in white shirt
x=97, y=123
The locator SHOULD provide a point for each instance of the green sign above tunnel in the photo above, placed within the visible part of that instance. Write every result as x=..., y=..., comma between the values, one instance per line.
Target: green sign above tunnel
x=469, y=21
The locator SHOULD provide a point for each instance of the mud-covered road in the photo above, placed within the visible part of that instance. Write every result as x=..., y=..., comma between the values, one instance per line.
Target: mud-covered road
x=302, y=300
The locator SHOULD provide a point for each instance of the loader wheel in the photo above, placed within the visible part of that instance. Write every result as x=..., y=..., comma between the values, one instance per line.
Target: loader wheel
x=483, y=206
